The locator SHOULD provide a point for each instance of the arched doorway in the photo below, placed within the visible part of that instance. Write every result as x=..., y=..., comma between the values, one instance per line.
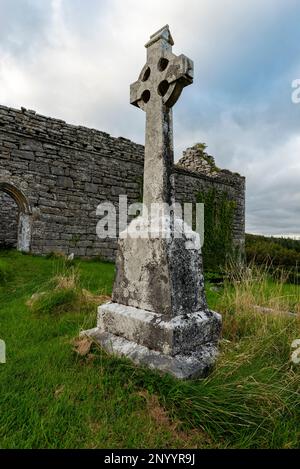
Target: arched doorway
x=17, y=215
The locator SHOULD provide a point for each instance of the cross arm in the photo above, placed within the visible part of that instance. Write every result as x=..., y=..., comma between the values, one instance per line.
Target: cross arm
x=178, y=74
x=180, y=69
x=135, y=93
x=138, y=89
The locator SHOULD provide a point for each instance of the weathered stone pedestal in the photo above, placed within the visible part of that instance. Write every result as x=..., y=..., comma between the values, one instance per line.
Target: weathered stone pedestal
x=195, y=360
x=158, y=316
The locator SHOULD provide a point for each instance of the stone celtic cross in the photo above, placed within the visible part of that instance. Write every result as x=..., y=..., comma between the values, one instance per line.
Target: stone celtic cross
x=158, y=315
x=158, y=88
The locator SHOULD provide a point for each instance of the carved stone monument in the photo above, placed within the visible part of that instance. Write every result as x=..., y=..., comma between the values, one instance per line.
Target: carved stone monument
x=158, y=316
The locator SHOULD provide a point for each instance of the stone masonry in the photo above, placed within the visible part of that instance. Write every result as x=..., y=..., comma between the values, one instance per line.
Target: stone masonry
x=9, y=214
x=58, y=173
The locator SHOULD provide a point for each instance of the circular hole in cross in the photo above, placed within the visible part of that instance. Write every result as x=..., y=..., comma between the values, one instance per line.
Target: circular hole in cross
x=162, y=64
x=146, y=96
x=163, y=87
x=146, y=74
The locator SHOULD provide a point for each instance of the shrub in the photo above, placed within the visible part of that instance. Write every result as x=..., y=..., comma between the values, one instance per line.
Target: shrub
x=283, y=252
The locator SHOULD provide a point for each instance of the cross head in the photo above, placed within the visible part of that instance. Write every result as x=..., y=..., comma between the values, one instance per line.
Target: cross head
x=156, y=91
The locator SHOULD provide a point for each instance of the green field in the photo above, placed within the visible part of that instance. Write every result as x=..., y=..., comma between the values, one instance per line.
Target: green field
x=54, y=397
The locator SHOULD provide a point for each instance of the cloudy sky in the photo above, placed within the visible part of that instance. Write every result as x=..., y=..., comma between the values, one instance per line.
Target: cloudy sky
x=75, y=59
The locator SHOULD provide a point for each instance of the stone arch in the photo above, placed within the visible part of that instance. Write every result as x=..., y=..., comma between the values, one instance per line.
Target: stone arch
x=24, y=217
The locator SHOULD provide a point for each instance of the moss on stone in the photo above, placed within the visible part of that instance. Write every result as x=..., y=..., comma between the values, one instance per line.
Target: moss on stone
x=218, y=224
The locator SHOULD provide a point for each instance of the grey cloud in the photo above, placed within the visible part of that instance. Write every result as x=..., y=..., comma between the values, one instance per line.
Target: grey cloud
x=22, y=25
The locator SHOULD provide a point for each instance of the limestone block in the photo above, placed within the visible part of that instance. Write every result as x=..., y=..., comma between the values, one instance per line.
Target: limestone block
x=182, y=334
x=180, y=366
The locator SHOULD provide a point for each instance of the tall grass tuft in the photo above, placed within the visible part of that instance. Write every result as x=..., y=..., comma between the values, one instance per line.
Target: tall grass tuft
x=253, y=303
x=63, y=294
x=252, y=398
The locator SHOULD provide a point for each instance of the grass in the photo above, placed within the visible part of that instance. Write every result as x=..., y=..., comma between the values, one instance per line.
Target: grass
x=54, y=397
x=5, y=272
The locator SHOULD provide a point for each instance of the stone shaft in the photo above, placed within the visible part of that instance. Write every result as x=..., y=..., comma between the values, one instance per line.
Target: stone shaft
x=158, y=155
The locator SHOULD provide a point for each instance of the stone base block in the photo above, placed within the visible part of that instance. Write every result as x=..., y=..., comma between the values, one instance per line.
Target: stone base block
x=180, y=366
x=180, y=334
x=185, y=346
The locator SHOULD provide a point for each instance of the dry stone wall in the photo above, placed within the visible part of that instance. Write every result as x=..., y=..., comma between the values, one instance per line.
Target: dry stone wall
x=60, y=173
x=8, y=221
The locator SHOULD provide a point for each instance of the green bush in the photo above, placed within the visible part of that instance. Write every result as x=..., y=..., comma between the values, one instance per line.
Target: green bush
x=262, y=250
x=279, y=253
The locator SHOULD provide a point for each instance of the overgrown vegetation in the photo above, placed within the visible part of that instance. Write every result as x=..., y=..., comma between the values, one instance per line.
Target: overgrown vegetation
x=63, y=294
x=279, y=253
x=218, y=221
x=52, y=396
x=201, y=147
